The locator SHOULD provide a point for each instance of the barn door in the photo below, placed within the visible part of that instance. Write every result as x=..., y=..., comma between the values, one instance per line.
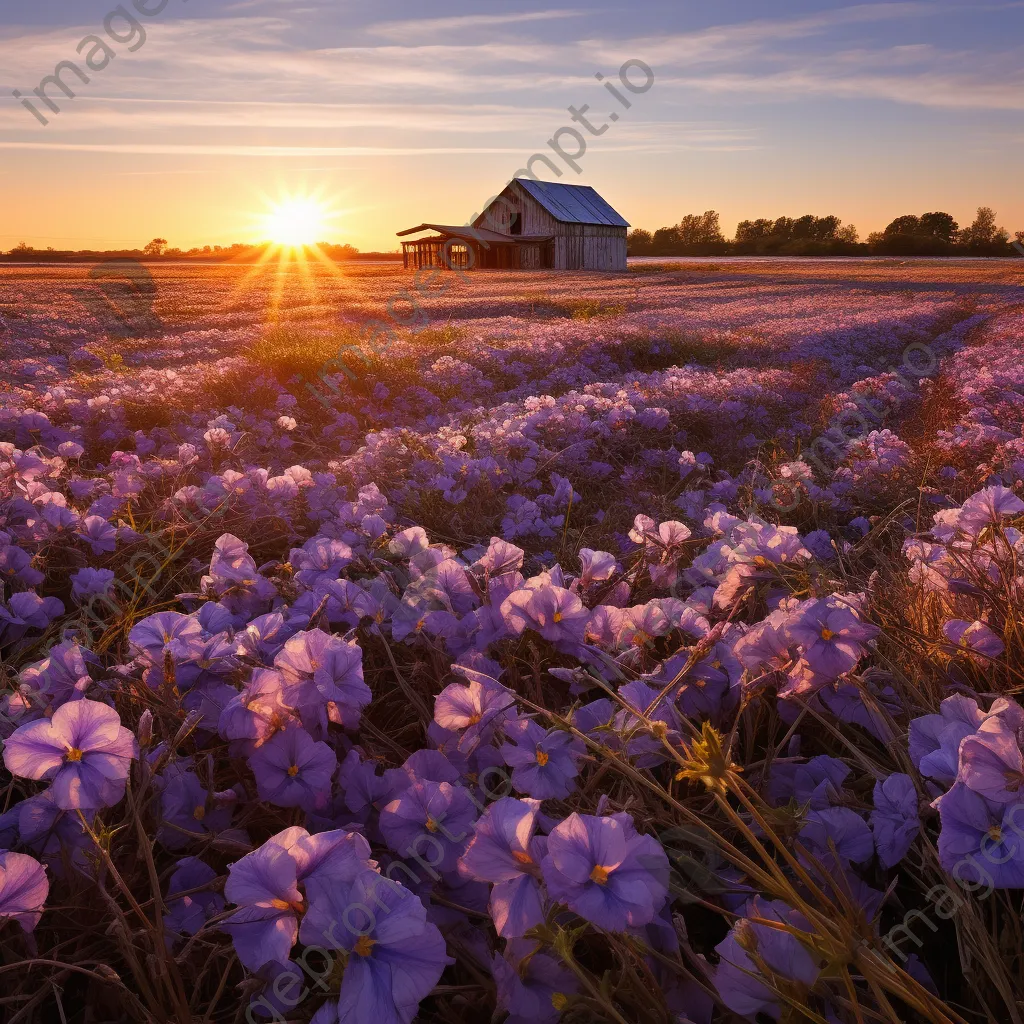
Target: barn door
x=575, y=242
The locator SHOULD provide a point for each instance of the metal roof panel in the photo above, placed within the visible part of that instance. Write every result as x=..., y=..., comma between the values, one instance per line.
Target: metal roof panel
x=573, y=204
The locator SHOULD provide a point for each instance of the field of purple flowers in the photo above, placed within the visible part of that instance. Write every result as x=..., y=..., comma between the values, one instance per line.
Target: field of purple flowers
x=637, y=648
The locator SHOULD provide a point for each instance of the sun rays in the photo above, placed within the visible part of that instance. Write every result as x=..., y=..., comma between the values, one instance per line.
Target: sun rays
x=292, y=228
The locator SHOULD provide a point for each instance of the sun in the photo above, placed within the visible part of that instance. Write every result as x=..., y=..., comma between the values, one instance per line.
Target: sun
x=296, y=221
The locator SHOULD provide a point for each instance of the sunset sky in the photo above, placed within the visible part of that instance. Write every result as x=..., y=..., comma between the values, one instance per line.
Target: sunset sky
x=393, y=116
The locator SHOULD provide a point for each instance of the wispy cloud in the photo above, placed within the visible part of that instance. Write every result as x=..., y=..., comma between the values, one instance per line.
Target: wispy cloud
x=414, y=29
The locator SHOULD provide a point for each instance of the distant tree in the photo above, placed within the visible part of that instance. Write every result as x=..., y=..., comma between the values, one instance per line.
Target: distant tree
x=939, y=225
x=156, y=247
x=849, y=234
x=665, y=242
x=23, y=247
x=825, y=228
x=906, y=225
x=983, y=233
x=803, y=227
x=749, y=231
x=639, y=242
x=698, y=229
x=1019, y=236
x=783, y=228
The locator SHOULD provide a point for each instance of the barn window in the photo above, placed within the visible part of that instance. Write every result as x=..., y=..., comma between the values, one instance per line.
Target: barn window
x=515, y=226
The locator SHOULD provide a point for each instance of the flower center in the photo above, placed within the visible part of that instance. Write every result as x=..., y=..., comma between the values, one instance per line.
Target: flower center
x=364, y=944
x=827, y=634
x=431, y=824
x=995, y=833
x=293, y=770
x=542, y=757
x=559, y=1001
x=199, y=813
x=279, y=904
x=599, y=875
x=473, y=719
x=74, y=754
x=521, y=858
x=557, y=617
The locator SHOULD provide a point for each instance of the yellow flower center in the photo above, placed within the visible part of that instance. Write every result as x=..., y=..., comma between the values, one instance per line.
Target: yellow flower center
x=293, y=770
x=521, y=858
x=827, y=634
x=74, y=754
x=542, y=758
x=473, y=719
x=431, y=825
x=364, y=944
x=995, y=833
x=557, y=617
x=599, y=875
x=559, y=1001
x=199, y=813
x=285, y=905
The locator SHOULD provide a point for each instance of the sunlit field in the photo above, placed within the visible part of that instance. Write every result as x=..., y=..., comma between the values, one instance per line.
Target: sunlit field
x=571, y=647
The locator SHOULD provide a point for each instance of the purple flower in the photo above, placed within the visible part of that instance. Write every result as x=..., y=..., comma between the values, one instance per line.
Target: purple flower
x=326, y=860
x=839, y=829
x=816, y=783
x=254, y=714
x=83, y=749
x=981, y=841
x=294, y=770
x=186, y=914
x=88, y=583
x=63, y=675
x=23, y=889
x=477, y=708
x=98, y=534
x=554, y=612
x=738, y=978
x=263, y=884
x=151, y=639
x=429, y=819
x=974, y=637
x=934, y=741
x=395, y=956
x=186, y=809
x=16, y=565
x=26, y=611
x=532, y=986
x=543, y=761
x=894, y=821
x=987, y=508
x=319, y=559
x=321, y=673
x=57, y=836
x=832, y=637
x=505, y=851
x=991, y=763
x=605, y=872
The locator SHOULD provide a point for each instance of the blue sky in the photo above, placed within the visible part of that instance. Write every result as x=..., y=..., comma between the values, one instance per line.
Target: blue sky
x=394, y=115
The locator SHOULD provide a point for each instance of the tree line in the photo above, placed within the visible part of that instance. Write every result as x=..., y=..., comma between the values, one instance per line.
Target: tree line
x=931, y=234
x=158, y=250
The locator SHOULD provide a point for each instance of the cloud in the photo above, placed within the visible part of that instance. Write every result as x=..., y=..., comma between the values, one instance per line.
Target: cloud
x=406, y=31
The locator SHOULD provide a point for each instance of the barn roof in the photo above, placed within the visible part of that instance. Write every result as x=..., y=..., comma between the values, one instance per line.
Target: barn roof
x=466, y=231
x=573, y=204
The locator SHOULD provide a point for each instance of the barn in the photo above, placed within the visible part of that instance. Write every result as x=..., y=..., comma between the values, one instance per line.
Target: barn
x=531, y=225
